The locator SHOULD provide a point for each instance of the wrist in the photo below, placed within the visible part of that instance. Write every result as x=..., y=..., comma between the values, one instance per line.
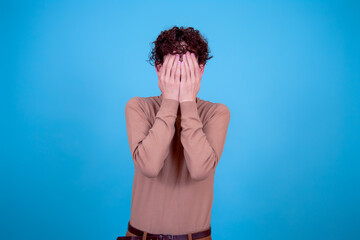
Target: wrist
x=187, y=100
x=171, y=97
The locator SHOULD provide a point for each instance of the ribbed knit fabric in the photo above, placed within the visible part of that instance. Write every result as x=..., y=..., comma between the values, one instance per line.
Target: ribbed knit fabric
x=175, y=148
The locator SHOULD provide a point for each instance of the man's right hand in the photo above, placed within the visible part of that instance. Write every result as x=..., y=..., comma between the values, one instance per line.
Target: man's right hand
x=169, y=77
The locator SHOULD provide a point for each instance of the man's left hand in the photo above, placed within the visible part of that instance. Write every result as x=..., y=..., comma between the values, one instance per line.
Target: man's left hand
x=190, y=78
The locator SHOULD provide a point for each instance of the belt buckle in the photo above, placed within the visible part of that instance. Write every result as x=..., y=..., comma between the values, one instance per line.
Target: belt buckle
x=167, y=237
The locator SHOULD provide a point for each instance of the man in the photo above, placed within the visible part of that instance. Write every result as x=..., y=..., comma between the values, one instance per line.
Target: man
x=176, y=141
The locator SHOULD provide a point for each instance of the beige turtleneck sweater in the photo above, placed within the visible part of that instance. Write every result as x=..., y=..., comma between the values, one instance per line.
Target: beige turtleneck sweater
x=175, y=148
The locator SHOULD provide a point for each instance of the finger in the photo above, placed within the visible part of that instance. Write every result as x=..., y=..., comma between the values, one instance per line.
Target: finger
x=169, y=66
x=187, y=69
x=182, y=71
x=177, y=71
x=173, y=69
x=191, y=67
x=163, y=68
x=195, y=65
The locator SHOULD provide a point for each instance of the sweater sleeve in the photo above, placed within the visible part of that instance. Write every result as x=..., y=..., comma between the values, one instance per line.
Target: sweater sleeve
x=149, y=145
x=203, y=144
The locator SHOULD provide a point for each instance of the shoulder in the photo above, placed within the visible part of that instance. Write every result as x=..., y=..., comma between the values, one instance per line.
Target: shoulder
x=137, y=101
x=222, y=108
x=213, y=111
x=214, y=108
x=222, y=113
x=141, y=105
x=134, y=103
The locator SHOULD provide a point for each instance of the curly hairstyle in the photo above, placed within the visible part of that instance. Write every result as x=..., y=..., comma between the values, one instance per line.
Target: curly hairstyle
x=179, y=40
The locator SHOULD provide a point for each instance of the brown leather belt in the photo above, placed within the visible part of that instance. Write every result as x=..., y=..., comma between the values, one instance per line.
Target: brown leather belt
x=150, y=236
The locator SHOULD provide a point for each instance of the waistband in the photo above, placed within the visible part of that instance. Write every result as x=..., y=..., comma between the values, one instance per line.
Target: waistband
x=151, y=236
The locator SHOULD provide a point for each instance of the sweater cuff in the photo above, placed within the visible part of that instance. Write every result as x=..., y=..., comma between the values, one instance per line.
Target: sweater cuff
x=189, y=108
x=170, y=106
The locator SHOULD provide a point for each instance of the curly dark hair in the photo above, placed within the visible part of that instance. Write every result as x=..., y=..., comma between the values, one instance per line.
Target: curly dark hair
x=179, y=40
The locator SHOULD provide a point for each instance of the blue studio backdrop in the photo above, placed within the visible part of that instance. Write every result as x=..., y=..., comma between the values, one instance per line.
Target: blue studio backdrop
x=287, y=70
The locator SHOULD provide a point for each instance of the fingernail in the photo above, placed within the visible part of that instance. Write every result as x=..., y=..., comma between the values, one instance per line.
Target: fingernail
x=192, y=54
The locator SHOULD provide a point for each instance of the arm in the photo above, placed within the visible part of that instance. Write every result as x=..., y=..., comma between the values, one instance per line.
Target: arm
x=149, y=145
x=203, y=145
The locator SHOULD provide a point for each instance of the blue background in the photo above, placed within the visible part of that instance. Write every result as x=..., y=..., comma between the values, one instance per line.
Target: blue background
x=287, y=70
